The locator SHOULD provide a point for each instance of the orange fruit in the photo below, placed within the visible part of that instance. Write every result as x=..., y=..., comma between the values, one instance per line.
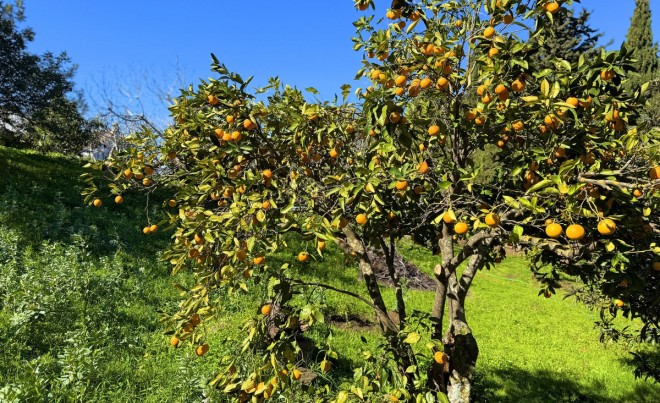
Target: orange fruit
x=460, y=228
x=573, y=101
x=199, y=240
x=449, y=217
x=423, y=168
x=425, y=83
x=518, y=86
x=442, y=83
x=297, y=374
x=401, y=185
x=147, y=182
x=654, y=173
x=266, y=174
x=303, y=256
x=606, y=227
x=265, y=205
x=174, y=341
x=518, y=125
x=500, y=88
x=551, y=7
x=560, y=152
x=400, y=81
x=435, y=129
x=607, y=75
x=638, y=193
x=440, y=357
x=266, y=309
x=320, y=245
x=458, y=23
x=171, y=203
x=508, y=19
x=481, y=90
x=554, y=230
x=230, y=119
x=97, y=202
x=145, y=230
x=492, y=219
x=619, y=303
x=492, y=52
x=153, y=228
x=487, y=98
x=395, y=117
x=128, y=173
x=361, y=219
x=575, y=232
x=201, y=349
x=258, y=260
x=213, y=100
x=489, y=32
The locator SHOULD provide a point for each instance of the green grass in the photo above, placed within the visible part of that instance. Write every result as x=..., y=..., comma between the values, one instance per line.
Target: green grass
x=82, y=291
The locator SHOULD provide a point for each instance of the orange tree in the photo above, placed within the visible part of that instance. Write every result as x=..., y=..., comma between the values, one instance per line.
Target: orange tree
x=575, y=187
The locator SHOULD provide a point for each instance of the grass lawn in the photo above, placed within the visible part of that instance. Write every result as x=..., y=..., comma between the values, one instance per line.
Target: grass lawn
x=82, y=291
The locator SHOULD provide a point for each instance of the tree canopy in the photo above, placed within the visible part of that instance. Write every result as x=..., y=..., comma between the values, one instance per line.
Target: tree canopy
x=36, y=93
x=575, y=187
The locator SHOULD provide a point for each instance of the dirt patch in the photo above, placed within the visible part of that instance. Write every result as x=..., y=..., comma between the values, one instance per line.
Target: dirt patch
x=414, y=278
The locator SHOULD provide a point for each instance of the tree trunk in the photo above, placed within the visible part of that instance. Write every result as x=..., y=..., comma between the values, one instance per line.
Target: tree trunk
x=462, y=349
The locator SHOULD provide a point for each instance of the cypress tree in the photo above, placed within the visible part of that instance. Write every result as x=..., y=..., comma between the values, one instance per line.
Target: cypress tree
x=570, y=37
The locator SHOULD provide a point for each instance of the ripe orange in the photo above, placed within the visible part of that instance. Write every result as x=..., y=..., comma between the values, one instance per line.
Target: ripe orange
x=361, y=219
x=607, y=75
x=492, y=219
x=97, y=202
x=174, y=341
x=518, y=86
x=440, y=357
x=213, y=100
x=265, y=205
x=266, y=309
x=199, y=240
x=147, y=182
x=508, y=19
x=230, y=119
x=435, y=129
x=481, y=90
x=320, y=245
x=487, y=99
x=145, y=230
x=551, y=7
x=460, y=228
x=425, y=83
x=267, y=174
x=458, y=23
x=492, y=52
x=258, y=260
x=619, y=303
x=654, y=173
x=518, y=125
x=489, y=32
x=400, y=81
x=423, y=168
x=638, y=193
x=401, y=185
x=554, y=230
x=560, y=152
x=606, y=227
x=201, y=349
x=303, y=256
x=573, y=101
x=575, y=232
x=296, y=374
x=153, y=228
x=442, y=83
x=171, y=203
x=395, y=117
x=500, y=88
x=128, y=173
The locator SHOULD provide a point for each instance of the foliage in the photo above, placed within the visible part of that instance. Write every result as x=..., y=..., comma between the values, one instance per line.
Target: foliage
x=36, y=109
x=245, y=172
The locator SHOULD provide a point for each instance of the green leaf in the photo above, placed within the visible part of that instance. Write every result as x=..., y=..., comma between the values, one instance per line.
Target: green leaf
x=412, y=338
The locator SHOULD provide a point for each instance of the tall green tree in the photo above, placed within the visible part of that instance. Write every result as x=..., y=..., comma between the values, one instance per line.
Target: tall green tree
x=568, y=37
x=36, y=92
x=640, y=40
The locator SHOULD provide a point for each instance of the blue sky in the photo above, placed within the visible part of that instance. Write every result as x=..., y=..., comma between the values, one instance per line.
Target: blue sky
x=128, y=48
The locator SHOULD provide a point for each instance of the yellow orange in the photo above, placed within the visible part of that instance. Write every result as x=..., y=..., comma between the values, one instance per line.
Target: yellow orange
x=575, y=232
x=554, y=230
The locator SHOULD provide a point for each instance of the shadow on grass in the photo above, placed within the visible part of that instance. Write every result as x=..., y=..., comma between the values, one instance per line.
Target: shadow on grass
x=519, y=385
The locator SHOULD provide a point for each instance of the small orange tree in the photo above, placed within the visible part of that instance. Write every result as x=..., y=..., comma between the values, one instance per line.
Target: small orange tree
x=577, y=190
